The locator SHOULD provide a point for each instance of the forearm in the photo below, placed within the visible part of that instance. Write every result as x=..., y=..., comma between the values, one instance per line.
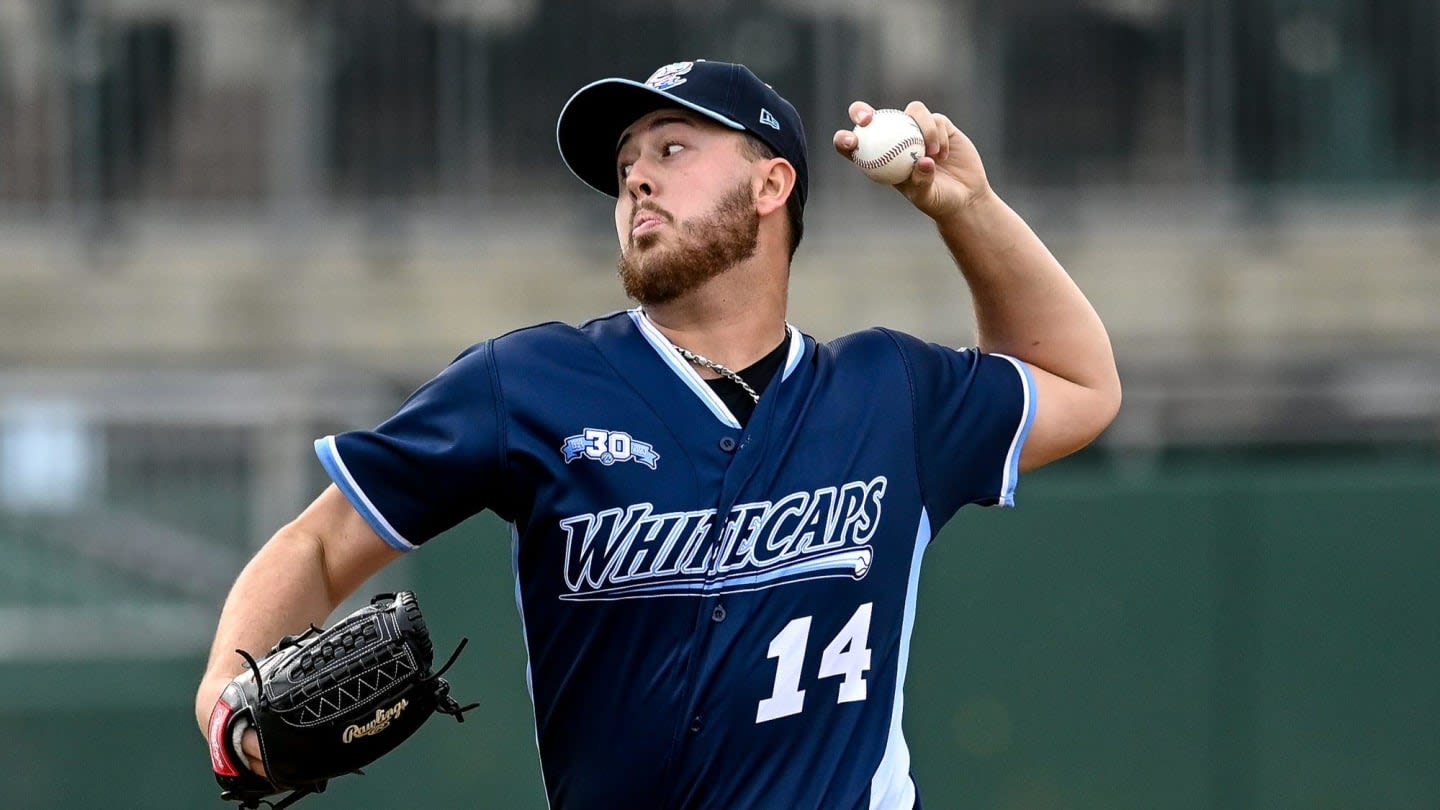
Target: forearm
x=1026, y=305
x=282, y=590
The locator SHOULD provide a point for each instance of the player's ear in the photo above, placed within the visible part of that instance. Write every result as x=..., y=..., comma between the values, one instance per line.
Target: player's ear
x=774, y=182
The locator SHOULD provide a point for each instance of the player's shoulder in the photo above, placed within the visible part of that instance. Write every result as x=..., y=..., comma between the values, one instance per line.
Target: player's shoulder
x=881, y=339
x=863, y=357
x=877, y=344
x=545, y=339
x=882, y=349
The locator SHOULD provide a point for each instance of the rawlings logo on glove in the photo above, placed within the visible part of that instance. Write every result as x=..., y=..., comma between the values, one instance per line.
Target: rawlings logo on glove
x=382, y=719
x=365, y=681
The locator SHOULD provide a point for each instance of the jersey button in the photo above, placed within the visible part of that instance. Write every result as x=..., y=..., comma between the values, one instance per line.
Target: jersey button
x=727, y=444
x=696, y=723
x=718, y=614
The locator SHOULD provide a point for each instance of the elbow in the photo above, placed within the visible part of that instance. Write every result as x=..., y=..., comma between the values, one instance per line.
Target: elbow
x=1103, y=410
x=1102, y=407
x=1113, y=398
x=1106, y=407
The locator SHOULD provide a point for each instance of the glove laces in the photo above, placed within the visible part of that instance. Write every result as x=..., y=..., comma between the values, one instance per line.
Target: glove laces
x=449, y=705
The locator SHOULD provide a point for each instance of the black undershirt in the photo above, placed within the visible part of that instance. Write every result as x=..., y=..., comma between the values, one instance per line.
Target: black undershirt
x=758, y=375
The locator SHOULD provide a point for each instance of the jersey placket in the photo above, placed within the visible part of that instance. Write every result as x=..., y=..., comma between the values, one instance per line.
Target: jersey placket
x=718, y=614
x=711, y=610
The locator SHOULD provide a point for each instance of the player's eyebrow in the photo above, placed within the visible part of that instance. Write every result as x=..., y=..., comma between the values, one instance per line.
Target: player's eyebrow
x=662, y=121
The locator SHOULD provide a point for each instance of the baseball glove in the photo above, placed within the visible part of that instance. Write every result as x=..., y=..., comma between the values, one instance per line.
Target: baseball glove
x=327, y=702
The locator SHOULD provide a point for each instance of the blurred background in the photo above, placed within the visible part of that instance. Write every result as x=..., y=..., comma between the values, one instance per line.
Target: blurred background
x=228, y=227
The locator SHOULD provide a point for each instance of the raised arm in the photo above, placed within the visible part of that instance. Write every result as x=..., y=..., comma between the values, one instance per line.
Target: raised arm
x=296, y=579
x=1026, y=305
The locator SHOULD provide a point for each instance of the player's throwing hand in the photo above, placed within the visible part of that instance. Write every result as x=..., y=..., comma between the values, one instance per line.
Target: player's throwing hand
x=948, y=178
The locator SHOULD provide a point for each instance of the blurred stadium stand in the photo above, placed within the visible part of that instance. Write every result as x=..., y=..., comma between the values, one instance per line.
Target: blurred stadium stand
x=193, y=180
x=229, y=227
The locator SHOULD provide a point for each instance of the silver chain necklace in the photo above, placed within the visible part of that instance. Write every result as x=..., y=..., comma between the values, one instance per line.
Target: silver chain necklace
x=706, y=362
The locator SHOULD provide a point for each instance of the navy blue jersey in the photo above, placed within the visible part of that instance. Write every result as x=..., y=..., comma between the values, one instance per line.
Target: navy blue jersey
x=716, y=616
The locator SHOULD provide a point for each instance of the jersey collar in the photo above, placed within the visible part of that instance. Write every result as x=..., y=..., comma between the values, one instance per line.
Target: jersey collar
x=691, y=377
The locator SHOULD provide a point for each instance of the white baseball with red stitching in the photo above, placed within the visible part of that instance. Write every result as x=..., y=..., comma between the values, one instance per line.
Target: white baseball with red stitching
x=890, y=145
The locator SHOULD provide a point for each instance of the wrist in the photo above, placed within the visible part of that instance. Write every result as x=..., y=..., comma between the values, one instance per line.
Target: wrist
x=980, y=221
x=205, y=698
x=974, y=211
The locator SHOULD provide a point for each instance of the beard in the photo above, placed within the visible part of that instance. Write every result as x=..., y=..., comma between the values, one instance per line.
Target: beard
x=706, y=247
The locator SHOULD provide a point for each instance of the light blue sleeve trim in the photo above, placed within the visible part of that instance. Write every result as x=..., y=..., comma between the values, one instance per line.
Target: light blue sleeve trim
x=335, y=466
x=1027, y=418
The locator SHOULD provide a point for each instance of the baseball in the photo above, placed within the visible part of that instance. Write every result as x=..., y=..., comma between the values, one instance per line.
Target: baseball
x=890, y=145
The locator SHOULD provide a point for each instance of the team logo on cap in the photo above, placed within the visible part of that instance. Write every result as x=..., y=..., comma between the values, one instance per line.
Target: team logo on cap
x=672, y=75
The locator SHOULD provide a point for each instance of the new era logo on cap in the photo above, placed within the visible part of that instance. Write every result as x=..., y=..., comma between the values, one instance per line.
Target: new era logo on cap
x=594, y=118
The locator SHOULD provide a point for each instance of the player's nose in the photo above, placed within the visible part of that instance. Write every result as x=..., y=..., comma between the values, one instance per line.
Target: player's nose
x=639, y=182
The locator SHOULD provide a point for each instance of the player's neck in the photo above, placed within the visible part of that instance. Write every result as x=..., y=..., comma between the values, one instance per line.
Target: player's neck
x=734, y=319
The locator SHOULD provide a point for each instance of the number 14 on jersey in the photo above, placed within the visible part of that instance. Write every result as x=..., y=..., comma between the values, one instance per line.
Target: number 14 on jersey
x=847, y=655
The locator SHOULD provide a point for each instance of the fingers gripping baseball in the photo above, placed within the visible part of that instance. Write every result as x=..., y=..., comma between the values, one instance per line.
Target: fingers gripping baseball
x=943, y=178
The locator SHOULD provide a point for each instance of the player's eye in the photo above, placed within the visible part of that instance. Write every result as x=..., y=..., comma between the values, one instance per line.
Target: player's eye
x=670, y=149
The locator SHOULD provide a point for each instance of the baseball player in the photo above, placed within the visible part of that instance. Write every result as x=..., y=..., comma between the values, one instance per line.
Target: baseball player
x=718, y=521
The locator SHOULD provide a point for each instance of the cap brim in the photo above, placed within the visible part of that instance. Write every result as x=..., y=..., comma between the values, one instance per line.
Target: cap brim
x=592, y=121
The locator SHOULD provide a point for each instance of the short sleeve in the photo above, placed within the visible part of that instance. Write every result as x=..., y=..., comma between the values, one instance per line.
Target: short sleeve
x=972, y=413
x=433, y=464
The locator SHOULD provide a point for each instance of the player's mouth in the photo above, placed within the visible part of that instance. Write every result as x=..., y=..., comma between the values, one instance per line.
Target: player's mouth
x=645, y=222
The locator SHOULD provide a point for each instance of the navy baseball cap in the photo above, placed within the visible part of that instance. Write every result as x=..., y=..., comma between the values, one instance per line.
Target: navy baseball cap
x=593, y=119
